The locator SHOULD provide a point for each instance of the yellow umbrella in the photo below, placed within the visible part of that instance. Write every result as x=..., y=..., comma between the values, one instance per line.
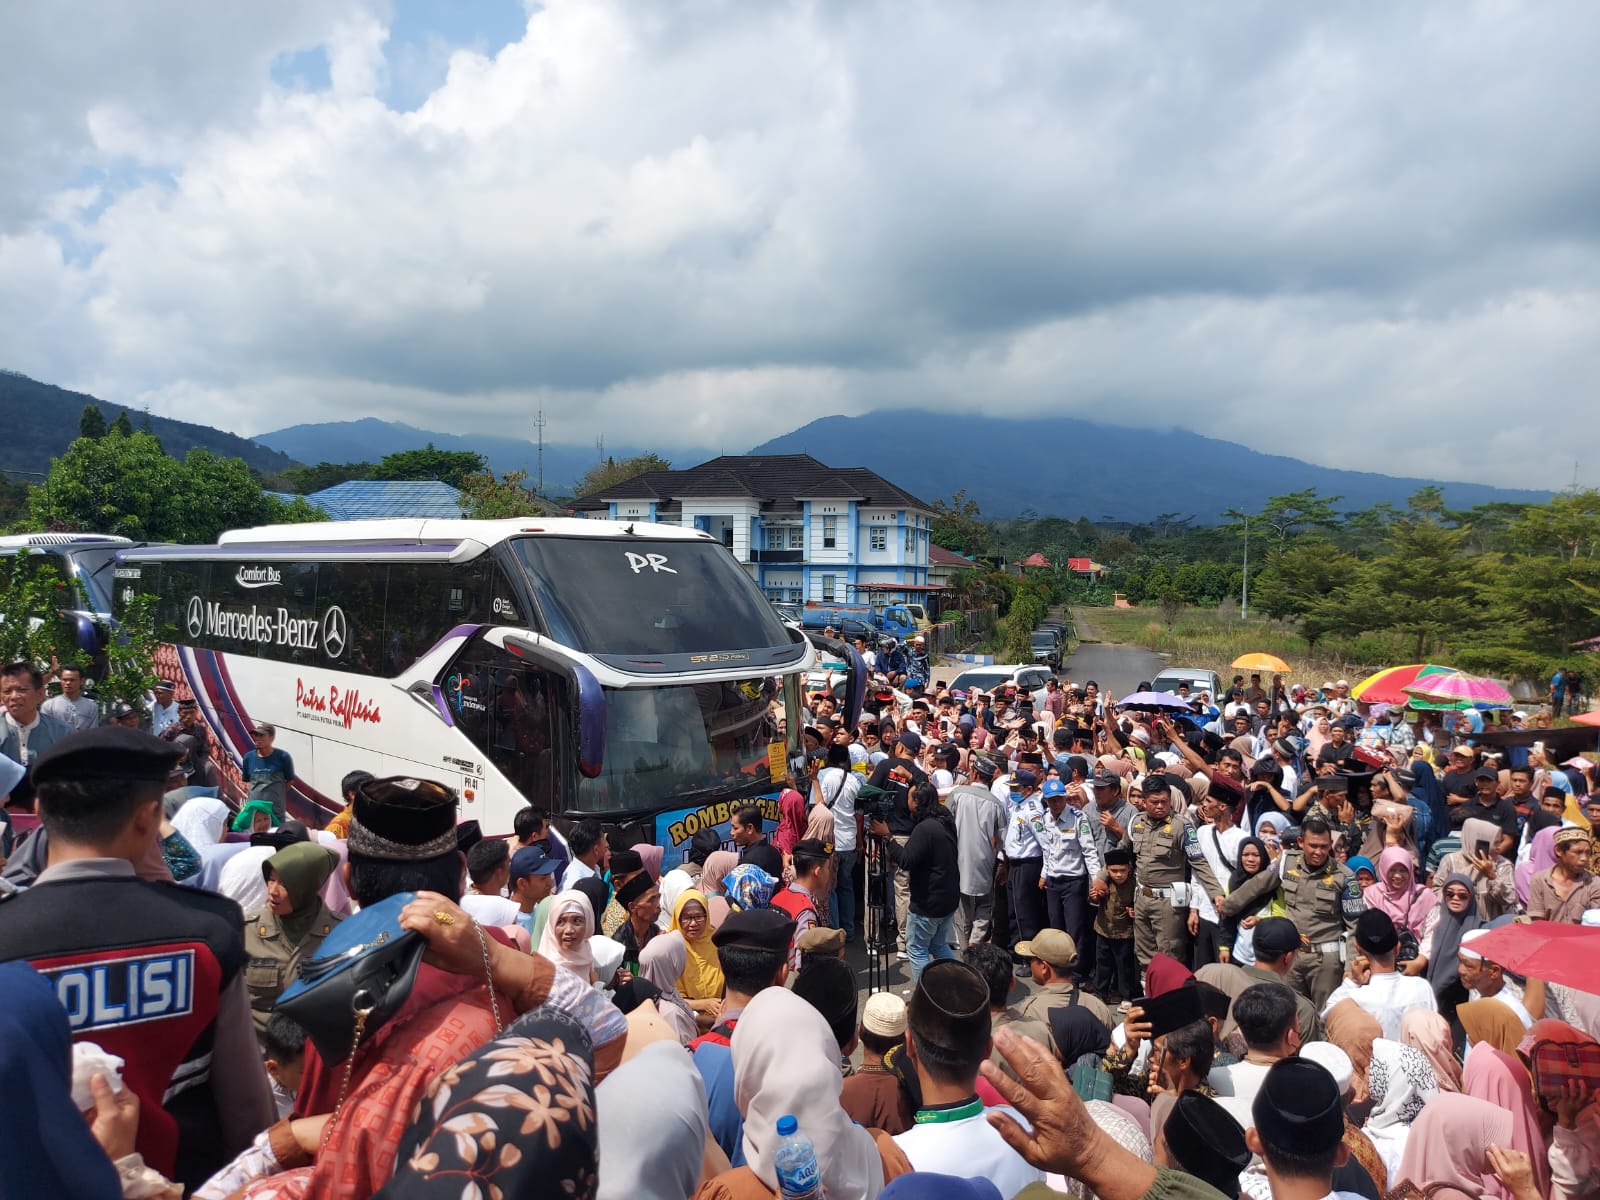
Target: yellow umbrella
x=1261, y=662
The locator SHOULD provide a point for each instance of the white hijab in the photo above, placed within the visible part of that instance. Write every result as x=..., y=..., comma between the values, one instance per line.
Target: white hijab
x=241, y=877
x=1401, y=1081
x=785, y=1062
x=201, y=820
x=652, y=1117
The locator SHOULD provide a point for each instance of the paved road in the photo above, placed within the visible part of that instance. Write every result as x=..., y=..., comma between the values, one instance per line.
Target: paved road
x=1117, y=668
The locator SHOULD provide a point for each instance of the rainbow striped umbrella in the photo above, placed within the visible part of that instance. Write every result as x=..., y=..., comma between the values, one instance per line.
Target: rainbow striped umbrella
x=1470, y=689
x=1389, y=685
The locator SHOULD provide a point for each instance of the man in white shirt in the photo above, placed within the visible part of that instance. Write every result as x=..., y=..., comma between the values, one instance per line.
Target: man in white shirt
x=489, y=870
x=1220, y=839
x=1486, y=980
x=1297, y=1127
x=1266, y=1016
x=1375, y=983
x=72, y=708
x=164, y=708
x=590, y=853
x=947, y=1038
x=837, y=786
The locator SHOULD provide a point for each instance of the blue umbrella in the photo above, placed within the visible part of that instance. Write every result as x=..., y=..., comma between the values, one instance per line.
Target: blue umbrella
x=1155, y=702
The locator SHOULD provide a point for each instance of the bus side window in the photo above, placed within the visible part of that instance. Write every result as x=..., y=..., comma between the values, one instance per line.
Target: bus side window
x=517, y=714
x=427, y=601
x=359, y=590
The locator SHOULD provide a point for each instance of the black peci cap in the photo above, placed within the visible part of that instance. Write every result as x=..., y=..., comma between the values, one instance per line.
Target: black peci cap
x=107, y=752
x=755, y=929
x=1207, y=1142
x=950, y=1006
x=1299, y=1107
x=1375, y=932
x=403, y=820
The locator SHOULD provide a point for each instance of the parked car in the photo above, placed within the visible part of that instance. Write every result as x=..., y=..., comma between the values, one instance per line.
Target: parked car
x=1029, y=677
x=1047, y=646
x=1199, y=680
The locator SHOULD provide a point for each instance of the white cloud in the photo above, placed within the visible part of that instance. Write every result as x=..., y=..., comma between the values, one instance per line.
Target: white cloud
x=703, y=224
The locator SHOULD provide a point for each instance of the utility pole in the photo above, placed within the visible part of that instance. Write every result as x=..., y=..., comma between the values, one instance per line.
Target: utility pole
x=1244, y=583
x=539, y=424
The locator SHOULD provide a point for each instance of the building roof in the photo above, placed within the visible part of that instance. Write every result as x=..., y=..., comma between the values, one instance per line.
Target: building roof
x=779, y=481
x=365, y=499
x=938, y=556
x=1036, y=559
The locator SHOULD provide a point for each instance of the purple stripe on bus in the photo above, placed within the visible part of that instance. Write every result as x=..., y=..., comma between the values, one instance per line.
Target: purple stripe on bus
x=444, y=709
x=310, y=549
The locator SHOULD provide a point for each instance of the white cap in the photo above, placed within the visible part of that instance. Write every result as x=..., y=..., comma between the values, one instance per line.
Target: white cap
x=884, y=1015
x=1141, y=735
x=1342, y=683
x=1468, y=937
x=1335, y=1060
x=1591, y=917
x=1167, y=758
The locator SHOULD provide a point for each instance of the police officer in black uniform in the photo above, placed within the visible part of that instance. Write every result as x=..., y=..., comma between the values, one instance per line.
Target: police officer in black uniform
x=152, y=972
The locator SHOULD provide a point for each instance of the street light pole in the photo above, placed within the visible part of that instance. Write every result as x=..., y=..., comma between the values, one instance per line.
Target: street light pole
x=1244, y=603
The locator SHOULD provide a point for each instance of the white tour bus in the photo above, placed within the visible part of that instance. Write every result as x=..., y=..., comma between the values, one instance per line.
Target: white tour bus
x=630, y=672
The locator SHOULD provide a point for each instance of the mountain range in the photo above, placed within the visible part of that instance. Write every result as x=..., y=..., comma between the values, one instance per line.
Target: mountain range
x=1053, y=466
x=38, y=421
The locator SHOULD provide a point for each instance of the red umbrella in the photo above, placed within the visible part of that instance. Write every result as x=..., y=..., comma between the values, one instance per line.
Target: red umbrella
x=1587, y=718
x=1568, y=954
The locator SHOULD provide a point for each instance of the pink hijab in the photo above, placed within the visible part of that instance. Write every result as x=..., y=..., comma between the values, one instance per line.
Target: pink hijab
x=1410, y=904
x=1429, y=1034
x=718, y=864
x=1503, y=1081
x=651, y=854
x=1447, y=1143
x=792, y=818
x=1541, y=857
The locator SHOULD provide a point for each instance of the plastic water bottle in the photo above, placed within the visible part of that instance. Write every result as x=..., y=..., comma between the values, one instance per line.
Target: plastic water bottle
x=799, y=1177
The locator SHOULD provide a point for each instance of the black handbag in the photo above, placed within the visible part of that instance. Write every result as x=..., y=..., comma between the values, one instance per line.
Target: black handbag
x=362, y=974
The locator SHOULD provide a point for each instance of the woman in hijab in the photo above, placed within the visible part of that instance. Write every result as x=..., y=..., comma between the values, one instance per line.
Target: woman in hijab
x=652, y=1115
x=1237, y=934
x=1541, y=852
x=290, y=928
x=651, y=856
x=201, y=820
x=241, y=879
x=1360, y=863
x=1501, y=1079
x=1399, y=1082
x=1489, y=1021
x=785, y=1063
x=1411, y=906
x=700, y=982
x=49, y=1148
x=1164, y=974
x=792, y=819
x=1493, y=882
x=749, y=888
x=597, y=893
x=1429, y=1034
x=1354, y=1030
x=661, y=963
x=1458, y=914
x=713, y=877
x=1427, y=790
x=254, y=817
x=1077, y=1033
x=1448, y=1144
x=565, y=940
x=517, y=1118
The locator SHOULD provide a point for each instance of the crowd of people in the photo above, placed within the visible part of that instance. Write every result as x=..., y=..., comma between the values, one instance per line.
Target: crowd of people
x=1243, y=948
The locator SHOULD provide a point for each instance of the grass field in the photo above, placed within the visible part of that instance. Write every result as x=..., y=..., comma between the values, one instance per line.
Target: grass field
x=1199, y=638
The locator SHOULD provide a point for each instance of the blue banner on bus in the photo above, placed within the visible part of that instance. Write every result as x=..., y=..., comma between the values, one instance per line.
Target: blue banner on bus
x=676, y=827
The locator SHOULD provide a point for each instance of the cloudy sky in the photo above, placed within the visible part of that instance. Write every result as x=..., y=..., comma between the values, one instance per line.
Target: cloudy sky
x=1364, y=234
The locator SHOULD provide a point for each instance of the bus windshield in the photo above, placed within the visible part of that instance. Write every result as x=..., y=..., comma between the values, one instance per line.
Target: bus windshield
x=684, y=743
x=644, y=597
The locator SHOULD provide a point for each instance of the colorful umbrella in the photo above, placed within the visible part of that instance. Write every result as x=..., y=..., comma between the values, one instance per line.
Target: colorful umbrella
x=1568, y=954
x=1258, y=661
x=1387, y=686
x=1155, y=702
x=1473, y=689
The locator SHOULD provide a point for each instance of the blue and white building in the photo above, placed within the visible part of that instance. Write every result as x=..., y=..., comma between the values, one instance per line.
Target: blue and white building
x=804, y=531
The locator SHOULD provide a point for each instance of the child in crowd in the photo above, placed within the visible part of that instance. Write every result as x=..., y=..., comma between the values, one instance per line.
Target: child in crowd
x=1116, y=973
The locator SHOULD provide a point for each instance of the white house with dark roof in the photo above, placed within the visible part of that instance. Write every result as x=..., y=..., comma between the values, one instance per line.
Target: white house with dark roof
x=804, y=530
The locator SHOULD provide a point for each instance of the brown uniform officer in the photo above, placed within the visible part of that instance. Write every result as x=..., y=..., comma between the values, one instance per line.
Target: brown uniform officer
x=292, y=925
x=1166, y=849
x=1323, y=899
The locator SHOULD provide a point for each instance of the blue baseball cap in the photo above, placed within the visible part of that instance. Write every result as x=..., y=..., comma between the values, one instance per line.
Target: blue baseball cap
x=1054, y=787
x=532, y=860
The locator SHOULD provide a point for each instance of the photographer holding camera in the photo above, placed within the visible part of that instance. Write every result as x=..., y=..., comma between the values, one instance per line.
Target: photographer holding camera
x=928, y=858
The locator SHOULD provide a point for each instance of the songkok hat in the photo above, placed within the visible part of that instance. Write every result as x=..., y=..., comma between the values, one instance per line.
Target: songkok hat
x=1565, y=837
x=1207, y=1142
x=820, y=941
x=1299, y=1107
x=1332, y=1059
x=884, y=1015
x=107, y=752
x=1375, y=932
x=950, y=1006
x=625, y=862
x=635, y=888
x=705, y=843
x=468, y=835
x=755, y=929
x=403, y=820
x=1276, y=936
x=829, y=986
x=1052, y=946
x=1118, y=857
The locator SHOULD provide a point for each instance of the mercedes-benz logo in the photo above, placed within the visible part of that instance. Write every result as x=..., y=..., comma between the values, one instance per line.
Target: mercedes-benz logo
x=334, y=632
x=196, y=616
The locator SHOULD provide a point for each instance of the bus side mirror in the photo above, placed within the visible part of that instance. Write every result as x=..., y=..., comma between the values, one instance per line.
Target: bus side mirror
x=588, y=700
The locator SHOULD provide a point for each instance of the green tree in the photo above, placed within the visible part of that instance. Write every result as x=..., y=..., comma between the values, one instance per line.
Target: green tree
x=1296, y=512
x=1295, y=580
x=447, y=466
x=1567, y=527
x=33, y=595
x=1424, y=585
x=122, y=427
x=614, y=471
x=92, y=422
x=306, y=480
x=130, y=653
x=487, y=498
x=958, y=525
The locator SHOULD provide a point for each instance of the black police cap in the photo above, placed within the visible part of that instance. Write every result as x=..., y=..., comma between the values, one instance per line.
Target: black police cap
x=755, y=929
x=107, y=752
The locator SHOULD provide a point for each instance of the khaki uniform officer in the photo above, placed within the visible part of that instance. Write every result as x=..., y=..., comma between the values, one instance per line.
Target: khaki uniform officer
x=290, y=927
x=1167, y=856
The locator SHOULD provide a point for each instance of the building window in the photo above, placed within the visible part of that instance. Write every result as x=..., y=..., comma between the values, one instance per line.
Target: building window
x=911, y=540
x=797, y=537
x=827, y=587
x=830, y=532
x=880, y=537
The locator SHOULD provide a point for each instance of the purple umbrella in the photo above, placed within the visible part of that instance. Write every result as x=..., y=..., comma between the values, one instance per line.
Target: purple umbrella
x=1155, y=702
